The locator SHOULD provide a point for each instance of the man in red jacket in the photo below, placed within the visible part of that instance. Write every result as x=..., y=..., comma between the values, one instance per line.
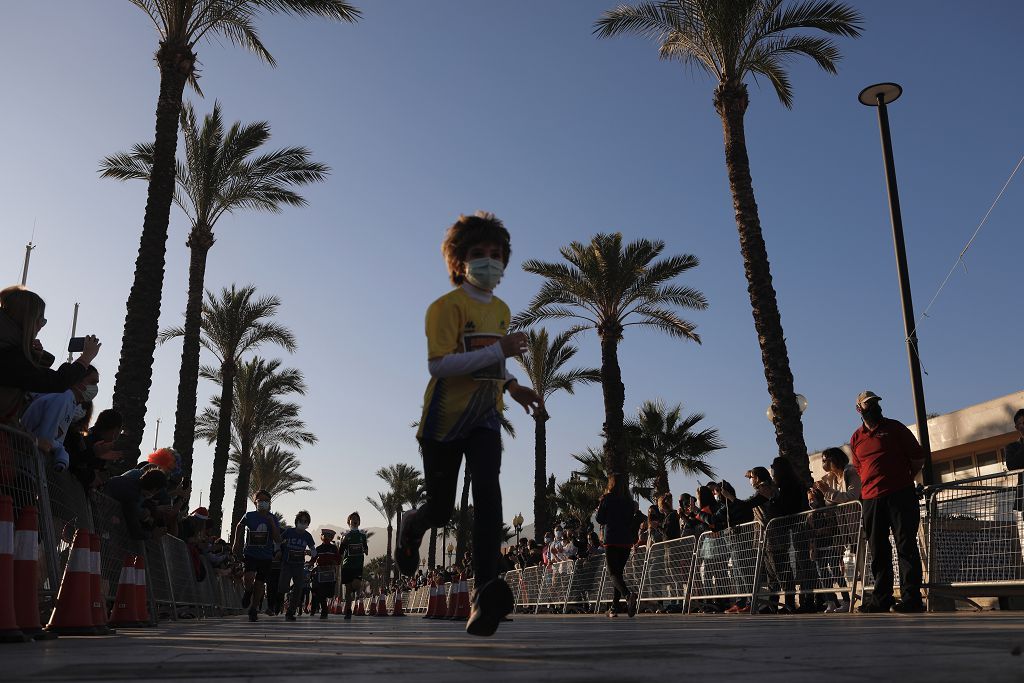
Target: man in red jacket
x=888, y=457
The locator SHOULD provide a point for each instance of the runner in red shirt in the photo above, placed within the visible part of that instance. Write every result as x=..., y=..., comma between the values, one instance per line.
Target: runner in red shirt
x=888, y=457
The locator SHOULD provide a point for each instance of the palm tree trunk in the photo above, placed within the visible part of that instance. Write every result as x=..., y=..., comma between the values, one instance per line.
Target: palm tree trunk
x=387, y=556
x=220, y=455
x=661, y=483
x=731, y=103
x=241, y=489
x=432, y=549
x=463, y=528
x=614, y=399
x=540, y=476
x=138, y=344
x=398, y=525
x=199, y=242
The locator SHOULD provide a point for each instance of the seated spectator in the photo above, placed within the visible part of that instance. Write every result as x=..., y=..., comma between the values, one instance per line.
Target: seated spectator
x=132, y=490
x=49, y=416
x=24, y=365
x=841, y=483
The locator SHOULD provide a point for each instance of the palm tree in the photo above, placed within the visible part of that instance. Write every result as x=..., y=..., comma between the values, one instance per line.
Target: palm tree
x=668, y=441
x=543, y=364
x=180, y=25
x=406, y=484
x=578, y=498
x=259, y=418
x=734, y=40
x=608, y=287
x=274, y=470
x=220, y=174
x=232, y=325
x=386, y=504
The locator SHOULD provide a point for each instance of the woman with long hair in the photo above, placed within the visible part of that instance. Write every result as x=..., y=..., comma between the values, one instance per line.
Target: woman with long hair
x=615, y=515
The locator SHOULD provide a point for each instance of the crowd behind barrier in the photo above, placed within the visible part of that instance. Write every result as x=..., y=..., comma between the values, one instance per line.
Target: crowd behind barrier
x=64, y=506
x=971, y=540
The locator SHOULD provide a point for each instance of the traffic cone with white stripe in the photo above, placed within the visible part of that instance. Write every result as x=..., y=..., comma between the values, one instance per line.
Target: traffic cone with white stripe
x=72, y=615
x=9, y=631
x=453, y=598
x=357, y=608
x=141, y=600
x=462, y=600
x=26, y=575
x=372, y=611
x=123, y=611
x=398, y=612
x=97, y=600
x=382, y=604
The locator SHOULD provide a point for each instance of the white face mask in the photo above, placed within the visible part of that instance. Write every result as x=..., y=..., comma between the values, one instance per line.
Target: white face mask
x=89, y=392
x=484, y=273
x=263, y=505
x=301, y=526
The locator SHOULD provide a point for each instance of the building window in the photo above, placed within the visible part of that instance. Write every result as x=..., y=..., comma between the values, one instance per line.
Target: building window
x=988, y=463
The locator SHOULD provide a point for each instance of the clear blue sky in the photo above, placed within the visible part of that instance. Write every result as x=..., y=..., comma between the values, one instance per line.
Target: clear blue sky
x=426, y=110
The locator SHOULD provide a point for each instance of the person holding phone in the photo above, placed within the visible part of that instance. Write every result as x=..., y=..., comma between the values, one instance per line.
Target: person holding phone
x=24, y=364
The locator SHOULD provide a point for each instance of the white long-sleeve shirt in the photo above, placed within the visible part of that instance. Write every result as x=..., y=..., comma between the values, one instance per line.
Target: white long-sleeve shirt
x=49, y=416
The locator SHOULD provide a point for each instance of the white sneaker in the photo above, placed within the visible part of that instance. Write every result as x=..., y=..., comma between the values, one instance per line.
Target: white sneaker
x=612, y=614
x=843, y=606
x=831, y=607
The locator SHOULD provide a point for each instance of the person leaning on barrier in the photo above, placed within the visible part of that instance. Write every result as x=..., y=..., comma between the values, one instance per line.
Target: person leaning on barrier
x=888, y=458
x=132, y=490
x=1015, y=459
x=49, y=417
x=841, y=483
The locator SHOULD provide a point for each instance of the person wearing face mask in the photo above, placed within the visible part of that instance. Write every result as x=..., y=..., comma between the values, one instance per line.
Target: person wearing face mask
x=354, y=547
x=256, y=537
x=325, y=568
x=468, y=341
x=888, y=458
x=49, y=416
x=296, y=543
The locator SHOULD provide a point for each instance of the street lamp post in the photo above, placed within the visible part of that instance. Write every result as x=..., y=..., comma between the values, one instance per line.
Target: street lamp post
x=880, y=95
x=517, y=524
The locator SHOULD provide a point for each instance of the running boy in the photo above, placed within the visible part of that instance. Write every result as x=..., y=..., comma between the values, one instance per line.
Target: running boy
x=467, y=344
x=325, y=572
x=260, y=533
x=354, y=547
x=295, y=544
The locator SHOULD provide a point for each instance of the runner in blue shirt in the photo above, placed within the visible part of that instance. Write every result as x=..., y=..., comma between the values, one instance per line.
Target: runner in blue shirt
x=260, y=533
x=296, y=543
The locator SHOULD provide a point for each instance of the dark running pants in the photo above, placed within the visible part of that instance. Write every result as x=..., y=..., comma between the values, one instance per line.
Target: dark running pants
x=616, y=559
x=441, y=463
x=899, y=513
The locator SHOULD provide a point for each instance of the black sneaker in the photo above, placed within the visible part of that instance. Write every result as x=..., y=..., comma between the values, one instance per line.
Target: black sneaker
x=631, y=605
x=290, y=617
x=348, y=616
x=490, y=605
x=407, y=549
x=872, y=607
x=246, y=598
x=909, y=607
x=323, y=615
x=252, y=615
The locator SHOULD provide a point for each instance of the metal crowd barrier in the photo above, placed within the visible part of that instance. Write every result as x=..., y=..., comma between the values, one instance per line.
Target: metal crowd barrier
x=976, y=536
x=725, y=564
x=585, y=585
x=554, y=585
x=529, y=587
x=667, y=577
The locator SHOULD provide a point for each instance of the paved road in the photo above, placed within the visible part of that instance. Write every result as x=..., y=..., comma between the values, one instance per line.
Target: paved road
x=948, y=647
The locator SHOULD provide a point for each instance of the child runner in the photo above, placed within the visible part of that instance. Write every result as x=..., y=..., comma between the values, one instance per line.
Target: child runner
x=295, y=544
x=467, y=344
x=325, y=572
x=259, y=532
x=354, y=547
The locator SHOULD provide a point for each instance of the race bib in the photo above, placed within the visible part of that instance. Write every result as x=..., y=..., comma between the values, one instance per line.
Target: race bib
x=258, y=537
x=325, y=576
x=474, y=342
x=296, y=556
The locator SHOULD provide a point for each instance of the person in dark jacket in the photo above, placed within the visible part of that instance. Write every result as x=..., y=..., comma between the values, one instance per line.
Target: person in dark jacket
x=615, y=514
x=131, y=490
x=791, y=499
x=24, y=365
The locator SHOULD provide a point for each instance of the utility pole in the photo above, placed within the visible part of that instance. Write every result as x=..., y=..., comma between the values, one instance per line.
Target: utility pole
x=28, y=255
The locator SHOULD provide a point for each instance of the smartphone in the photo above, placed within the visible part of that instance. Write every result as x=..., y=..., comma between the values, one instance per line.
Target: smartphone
x=76, y=345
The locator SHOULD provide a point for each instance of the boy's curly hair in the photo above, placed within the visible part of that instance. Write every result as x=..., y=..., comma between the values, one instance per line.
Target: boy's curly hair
x=467, y=232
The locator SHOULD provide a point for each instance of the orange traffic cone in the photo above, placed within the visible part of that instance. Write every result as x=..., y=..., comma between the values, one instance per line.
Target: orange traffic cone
x=382, y=605
x=72, y=615
x=141, y=600
x=357, y=608
x=372, y=611
x=442, y=601
x=26, y=575
x=123, y=611
x=462, y=600
x=453, y=597
x=96, y=599
x=398, y=612
x=9, y=631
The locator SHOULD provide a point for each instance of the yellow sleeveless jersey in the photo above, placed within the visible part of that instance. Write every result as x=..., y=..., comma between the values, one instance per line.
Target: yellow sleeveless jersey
x=455, y=406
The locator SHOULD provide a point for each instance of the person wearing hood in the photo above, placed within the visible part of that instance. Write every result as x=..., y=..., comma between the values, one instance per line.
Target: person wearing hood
x=49, y=416
x=24, y=365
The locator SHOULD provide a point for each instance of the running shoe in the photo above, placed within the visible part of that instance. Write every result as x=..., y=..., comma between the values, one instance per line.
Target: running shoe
x=872, y=607
x=735, y=609
x=490, y=605
x=252, y=615
x=909, y=607
x=631, y=605
x=407, y=550
x=743, y=610
x=290, y=617
x=246, y=598
x=612, y=614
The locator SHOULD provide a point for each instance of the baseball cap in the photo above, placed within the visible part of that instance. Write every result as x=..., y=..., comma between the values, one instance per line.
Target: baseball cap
x=201, y=513
x=864, y=397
